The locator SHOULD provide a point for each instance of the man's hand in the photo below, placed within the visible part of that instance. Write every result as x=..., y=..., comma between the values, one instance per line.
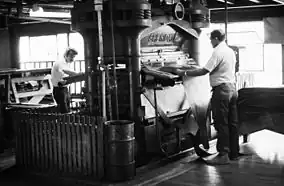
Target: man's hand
x=173, y=70
x=62, y=83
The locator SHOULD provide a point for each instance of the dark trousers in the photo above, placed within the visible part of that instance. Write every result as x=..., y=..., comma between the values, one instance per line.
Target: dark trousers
x=62, y=98
x=225, y=116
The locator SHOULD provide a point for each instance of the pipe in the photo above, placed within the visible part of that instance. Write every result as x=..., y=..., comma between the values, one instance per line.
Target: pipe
x=226, y=20
x=136, y=79
x=114, y=62
x=41, y=19
x=101, y=55
x=88, y=70
x=245, y=7
x=66, y=6
x=129, y=68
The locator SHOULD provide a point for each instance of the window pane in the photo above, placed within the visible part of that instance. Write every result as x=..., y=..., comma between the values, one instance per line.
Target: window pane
x=24, y=49
x=62, y=44
x=76, y=41
x=43, y=48
x=251, y=57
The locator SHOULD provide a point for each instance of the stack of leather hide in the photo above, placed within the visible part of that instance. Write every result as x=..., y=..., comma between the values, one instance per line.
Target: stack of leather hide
x=258, y=106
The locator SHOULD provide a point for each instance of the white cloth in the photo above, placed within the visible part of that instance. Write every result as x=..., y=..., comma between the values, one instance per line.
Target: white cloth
x=221, y=65
x=57, y=73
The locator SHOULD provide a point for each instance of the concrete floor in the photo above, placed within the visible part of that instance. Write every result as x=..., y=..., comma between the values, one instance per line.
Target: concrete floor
x=264, y=167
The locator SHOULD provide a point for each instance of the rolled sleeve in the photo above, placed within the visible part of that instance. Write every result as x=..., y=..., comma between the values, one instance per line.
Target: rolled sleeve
x=212, y=63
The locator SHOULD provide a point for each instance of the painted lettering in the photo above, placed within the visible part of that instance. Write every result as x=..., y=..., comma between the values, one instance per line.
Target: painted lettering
x=161, y=37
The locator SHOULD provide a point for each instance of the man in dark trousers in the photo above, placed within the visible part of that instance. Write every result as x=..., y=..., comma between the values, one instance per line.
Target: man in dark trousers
x=221, y=69
x=60, y=70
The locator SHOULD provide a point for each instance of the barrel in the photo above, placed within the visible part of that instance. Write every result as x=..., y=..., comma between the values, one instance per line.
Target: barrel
x=120, y=163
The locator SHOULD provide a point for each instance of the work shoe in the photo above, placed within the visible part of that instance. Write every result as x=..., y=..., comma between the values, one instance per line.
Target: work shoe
x=219, y=159
x=201, y=153
x=235, y=157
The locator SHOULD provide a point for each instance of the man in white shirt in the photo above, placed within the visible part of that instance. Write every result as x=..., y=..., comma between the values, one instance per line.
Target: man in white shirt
x=60, y=70
x=221, y=69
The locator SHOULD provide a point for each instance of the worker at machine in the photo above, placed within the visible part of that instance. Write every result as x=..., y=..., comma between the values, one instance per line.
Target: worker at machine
x=221, y=69
x=60, y=70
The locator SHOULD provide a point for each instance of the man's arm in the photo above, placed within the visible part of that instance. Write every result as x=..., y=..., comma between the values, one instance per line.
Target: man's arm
x=69, y=72
x=211, y=64
x=191, y=72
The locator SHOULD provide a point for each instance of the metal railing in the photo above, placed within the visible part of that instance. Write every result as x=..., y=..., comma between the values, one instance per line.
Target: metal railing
x=245, y=79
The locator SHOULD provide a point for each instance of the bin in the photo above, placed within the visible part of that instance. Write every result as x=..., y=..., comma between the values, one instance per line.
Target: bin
x=120, y=151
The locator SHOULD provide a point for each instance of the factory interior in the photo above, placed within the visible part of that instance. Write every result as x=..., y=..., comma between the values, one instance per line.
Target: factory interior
x=130, y=121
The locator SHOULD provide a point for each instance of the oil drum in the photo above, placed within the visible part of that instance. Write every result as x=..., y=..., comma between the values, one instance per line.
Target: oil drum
x=120, y=150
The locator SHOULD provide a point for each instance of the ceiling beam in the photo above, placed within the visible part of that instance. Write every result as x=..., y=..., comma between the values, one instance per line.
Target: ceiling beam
x=238, y=14
x=247, y=7
x=255, y=1
x=279, y=1
x=231, y=2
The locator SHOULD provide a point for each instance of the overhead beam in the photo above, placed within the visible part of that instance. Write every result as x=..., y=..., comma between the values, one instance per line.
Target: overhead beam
x=228, y=1
x=279, y=1
x=238, y=14
x=255, y=1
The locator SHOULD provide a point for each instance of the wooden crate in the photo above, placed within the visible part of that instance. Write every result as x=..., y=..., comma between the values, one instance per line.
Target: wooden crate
x=67, y=145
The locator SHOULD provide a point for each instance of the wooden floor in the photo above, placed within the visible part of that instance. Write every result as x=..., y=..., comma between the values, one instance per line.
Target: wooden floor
x=265, y=167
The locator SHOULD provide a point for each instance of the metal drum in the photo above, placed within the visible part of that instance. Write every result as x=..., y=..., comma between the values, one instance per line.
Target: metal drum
x=120, y=150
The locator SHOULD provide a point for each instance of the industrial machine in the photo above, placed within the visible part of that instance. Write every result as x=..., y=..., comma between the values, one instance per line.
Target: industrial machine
x=128, y=43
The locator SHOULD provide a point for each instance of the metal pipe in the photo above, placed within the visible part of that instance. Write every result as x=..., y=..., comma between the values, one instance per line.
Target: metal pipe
x=246, y=7
x=129, y=68
x=114, y=62
x=59, y=6
x=108, y=94
x=88, y=71
x=226, y=20
x=136, y=79
x=41, y=19
x=101, y=57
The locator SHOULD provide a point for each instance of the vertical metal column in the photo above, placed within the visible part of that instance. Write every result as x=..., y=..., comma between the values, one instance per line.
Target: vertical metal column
x=129, y=68
x=114, y=62
x=14, y=47
x=93, y=81
x=132, y=17
x=226, y=20
x=98, y=7
x=136, y=79
x=194, y=49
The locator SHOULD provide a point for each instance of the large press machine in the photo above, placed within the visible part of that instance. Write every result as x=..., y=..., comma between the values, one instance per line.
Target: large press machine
x=127, y=45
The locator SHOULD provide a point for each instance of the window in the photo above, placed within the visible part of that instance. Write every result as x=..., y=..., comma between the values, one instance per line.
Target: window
x=49, y=48
x=249, y=38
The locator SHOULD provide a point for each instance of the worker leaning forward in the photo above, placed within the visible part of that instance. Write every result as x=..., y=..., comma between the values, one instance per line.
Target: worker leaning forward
x=60, y=70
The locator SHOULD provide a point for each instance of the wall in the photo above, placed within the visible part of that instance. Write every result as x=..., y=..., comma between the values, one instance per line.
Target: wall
x=5, y=58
